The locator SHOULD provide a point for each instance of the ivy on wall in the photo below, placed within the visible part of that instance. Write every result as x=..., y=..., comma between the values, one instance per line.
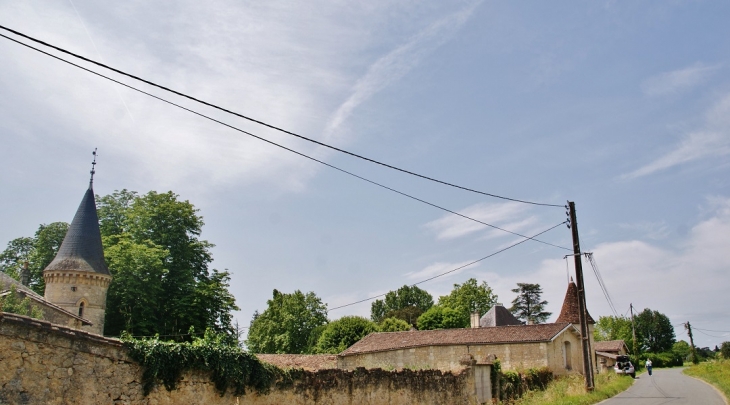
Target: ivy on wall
x=230, y=367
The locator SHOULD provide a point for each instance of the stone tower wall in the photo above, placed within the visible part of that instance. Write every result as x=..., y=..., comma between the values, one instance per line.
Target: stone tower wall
x=68, y=289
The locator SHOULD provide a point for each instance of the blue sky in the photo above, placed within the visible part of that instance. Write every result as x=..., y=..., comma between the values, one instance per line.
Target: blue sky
x=623, y=108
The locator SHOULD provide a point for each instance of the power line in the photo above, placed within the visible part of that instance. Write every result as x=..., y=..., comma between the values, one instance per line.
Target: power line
x=284, y=147
x=452, y=270
x=601, y=283
x=266, y=124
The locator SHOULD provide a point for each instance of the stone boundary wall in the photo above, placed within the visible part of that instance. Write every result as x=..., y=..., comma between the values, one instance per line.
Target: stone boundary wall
x=43, y=363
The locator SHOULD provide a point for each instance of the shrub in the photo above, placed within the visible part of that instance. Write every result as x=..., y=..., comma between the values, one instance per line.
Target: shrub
x=725, y=350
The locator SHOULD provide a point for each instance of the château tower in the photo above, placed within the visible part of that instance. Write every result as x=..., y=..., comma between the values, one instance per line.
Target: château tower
x=77, y=279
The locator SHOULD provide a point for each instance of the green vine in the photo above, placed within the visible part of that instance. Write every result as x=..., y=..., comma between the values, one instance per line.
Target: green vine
x=229, y=366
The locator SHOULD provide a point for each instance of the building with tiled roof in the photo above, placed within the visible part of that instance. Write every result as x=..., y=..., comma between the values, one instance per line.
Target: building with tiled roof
x=607, y=351
x=498, y=334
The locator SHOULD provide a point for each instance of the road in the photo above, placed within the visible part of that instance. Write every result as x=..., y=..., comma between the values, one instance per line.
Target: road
x=667, y=386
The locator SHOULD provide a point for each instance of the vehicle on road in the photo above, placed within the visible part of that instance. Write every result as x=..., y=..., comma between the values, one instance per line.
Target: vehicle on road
x=624, y=366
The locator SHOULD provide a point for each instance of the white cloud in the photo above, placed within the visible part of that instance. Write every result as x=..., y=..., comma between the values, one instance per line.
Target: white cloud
x=649, y=230
x=439, y=268
x=398, y=62
x=712, y=140
x=285, y=63
x=678, y=80
x=509, y=214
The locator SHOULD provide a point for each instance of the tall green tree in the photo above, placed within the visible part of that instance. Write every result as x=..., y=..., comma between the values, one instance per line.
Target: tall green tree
x=614, y=328
x=528, y=305
x=343, y=333
x=440, y=317
x=156, y=238
x=287, y=323
x=654, y=331
x=468, y=297
x=406, y=303
x=38, y=251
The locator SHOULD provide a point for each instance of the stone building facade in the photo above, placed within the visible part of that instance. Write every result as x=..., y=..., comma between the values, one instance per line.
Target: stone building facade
x=518, y=347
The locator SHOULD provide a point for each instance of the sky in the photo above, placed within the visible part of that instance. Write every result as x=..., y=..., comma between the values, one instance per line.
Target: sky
x=621, y=107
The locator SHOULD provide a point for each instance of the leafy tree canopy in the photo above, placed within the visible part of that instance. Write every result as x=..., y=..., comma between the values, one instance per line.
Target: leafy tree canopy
x=725, y=350
x=409, y=298
x=682, y=349
x=13, y=303
x=468, y=297
x=38, y=251
x=287, y=323
x=654, y=331
x=394, y=325
x=152, y=242
x=614, y=328
x=528, y=306
x=440, y=317
x=343, y=333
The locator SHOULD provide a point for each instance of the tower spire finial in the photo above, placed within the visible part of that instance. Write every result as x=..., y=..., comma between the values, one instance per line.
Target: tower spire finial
x=93, y=171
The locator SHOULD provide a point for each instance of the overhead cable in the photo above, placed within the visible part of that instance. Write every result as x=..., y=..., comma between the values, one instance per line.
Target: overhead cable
x=452, y=270
x=266, y=124
x=284, y=147
x=601, y=283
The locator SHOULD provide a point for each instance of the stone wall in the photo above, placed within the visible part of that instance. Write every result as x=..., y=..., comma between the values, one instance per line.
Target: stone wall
x=43, y=363
x=513, y=356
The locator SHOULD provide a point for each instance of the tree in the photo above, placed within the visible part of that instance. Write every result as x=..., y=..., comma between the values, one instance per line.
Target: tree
x=394, y=325
x=287, y=323
x=614, y=328
x=343, y=333
x=38, y=251
x=654, y=331
x=407, y=303
x=527, y=306
x=725, y=350
x=173, y=263
x=682, y=350
x=440, y=317
x=12, y=303
x=468, y=297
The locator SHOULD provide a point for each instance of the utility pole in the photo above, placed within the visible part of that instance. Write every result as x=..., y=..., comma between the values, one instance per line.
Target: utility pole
x=585, y=339
x=633, y=330
x=691, y=342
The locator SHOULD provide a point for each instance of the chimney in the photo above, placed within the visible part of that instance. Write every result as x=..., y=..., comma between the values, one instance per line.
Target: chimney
x=25, y=275
x=475, y=319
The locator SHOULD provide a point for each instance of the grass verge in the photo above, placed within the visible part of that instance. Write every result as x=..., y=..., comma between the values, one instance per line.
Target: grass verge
x=570, y=390
x=716, y=372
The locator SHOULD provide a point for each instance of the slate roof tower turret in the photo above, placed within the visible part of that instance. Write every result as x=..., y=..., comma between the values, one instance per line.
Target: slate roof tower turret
x=77, y=279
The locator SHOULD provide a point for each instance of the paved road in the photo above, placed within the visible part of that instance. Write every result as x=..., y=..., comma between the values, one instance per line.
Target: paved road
x=667, y=386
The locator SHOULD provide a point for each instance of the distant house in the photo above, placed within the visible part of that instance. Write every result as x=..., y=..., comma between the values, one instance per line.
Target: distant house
x=607, y=351
x=553, y=345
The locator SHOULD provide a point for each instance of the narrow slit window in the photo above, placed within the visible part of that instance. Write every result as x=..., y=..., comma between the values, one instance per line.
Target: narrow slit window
x=81, y=309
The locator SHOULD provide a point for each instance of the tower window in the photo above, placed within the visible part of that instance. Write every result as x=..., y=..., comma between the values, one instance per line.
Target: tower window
x=73, y=288
x=81, y=308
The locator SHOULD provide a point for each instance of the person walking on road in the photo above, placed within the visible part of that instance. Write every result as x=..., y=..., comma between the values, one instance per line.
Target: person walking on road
x=648, y=366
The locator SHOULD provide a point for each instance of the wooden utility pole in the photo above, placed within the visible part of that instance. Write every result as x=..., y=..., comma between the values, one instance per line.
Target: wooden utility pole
x=691, y=342
x=633, y=329
x=585, y=338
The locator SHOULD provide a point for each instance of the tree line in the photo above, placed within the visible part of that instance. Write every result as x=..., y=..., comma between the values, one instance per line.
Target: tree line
x=297, y=323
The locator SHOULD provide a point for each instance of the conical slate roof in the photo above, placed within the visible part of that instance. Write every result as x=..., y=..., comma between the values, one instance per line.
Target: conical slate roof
x=81, y=249
x=498, y=315
x=570, y=311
